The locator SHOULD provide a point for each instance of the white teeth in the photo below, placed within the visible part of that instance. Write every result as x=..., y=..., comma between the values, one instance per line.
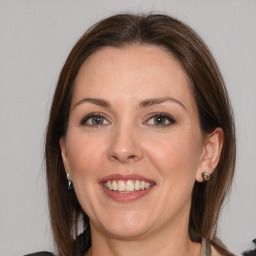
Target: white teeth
x=109, y=185
x=114, y=184
x=121, y=185
x=137, y=185
x=142, y=185
x=127, y=186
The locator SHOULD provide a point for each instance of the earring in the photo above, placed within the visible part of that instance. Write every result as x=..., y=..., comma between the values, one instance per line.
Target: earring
x=70, y=184
x=206, y=176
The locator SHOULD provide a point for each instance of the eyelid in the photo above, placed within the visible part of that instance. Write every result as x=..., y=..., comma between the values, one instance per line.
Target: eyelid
x=170, y=119
x=83, y=120
x=163, y=115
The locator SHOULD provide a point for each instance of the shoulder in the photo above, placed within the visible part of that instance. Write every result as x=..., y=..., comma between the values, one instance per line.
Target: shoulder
x=40, y=254
x=215, y=252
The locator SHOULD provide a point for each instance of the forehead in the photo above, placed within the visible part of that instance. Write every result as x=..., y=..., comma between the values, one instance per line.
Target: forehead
x=133, y=72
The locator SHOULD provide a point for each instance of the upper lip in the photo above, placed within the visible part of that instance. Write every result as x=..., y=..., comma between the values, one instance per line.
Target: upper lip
x=125, y=177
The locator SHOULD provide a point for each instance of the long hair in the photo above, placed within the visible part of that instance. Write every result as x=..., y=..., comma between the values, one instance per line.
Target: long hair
x=213, y=107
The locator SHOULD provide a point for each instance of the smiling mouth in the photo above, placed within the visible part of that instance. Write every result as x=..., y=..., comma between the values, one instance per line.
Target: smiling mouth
x=127, y=186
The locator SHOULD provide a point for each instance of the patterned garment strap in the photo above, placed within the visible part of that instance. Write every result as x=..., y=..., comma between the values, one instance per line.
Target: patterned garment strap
x=206, y=248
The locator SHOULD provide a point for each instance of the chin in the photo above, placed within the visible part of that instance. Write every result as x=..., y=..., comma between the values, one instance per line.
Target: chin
x=127, y=232
x=126, y=226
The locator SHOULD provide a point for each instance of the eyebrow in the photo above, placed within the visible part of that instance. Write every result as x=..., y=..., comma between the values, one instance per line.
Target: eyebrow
x=99, y=102
x=151, y=102
x=143, y=104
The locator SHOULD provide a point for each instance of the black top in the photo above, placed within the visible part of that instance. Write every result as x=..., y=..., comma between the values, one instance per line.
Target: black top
x=81, y=244
x=40, y=254
x=206, y=250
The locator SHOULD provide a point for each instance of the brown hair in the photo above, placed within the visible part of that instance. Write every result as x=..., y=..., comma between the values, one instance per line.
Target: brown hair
x=213, y=107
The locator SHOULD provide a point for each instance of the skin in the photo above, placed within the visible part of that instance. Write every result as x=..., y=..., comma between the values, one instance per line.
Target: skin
x=128, y=141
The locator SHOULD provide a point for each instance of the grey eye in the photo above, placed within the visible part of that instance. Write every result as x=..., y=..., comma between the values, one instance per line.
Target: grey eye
x=94, y=120
x=161, y=120
x=97, y=120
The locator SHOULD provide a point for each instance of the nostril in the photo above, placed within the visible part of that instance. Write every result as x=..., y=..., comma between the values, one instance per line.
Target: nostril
x=132, y=157
x=124, y=158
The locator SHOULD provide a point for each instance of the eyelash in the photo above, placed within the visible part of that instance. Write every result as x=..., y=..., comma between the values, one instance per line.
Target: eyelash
x=92, y=115
x=170, y=119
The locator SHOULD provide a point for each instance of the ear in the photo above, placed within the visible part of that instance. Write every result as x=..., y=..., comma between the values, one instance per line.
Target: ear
x=64, y=155
x=211, y=153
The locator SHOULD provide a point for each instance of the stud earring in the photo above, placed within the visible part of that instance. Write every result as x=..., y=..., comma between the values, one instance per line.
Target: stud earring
x=206, y=176
x=70, y=184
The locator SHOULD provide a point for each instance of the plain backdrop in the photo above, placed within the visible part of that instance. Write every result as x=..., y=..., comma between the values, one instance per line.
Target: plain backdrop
x=35, y=39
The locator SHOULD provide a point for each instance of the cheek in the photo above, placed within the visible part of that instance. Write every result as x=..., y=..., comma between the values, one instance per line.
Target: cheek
x=85, y=154
x=175, y=156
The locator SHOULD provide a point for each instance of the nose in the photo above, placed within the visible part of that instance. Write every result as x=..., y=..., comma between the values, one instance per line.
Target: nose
x=125, y=145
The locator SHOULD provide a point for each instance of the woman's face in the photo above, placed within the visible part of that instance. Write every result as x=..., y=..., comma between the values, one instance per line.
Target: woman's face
x=133, y=146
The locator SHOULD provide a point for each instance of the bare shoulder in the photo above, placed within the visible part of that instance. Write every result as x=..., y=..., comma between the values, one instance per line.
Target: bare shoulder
x=215, y=252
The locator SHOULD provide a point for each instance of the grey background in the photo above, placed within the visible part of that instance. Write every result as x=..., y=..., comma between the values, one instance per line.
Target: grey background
x=35, y=39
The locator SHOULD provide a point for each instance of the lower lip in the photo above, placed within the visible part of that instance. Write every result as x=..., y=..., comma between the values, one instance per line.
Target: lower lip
x=126, y=196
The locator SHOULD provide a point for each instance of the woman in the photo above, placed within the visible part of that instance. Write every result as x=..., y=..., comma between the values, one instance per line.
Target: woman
x=140, y=145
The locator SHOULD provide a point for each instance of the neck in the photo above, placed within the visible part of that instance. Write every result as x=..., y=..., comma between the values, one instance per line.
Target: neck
x=169, y=241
